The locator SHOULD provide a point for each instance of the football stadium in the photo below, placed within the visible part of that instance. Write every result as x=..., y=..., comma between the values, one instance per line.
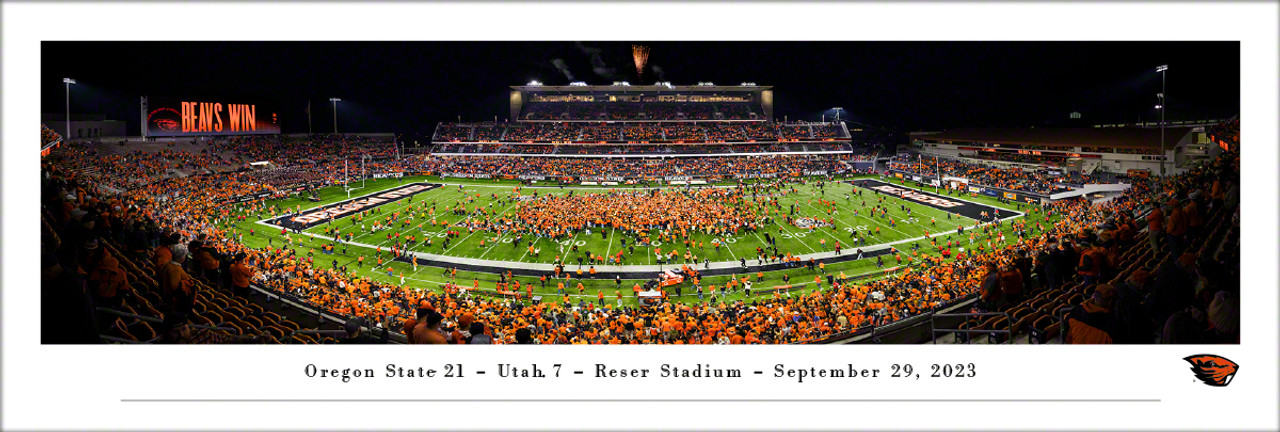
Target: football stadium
x=614, y=212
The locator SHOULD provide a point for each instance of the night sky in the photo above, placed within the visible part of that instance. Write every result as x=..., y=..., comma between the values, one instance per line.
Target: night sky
x=407, y=87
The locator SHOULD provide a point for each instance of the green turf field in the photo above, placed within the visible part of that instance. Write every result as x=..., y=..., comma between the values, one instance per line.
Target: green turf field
x=797, y=241
x=495, y=247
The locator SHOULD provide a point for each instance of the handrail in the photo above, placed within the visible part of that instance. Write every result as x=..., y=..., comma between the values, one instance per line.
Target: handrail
x=321, y=313
x=337, y=334
x=157, y=319
x=342, y=333
x=933, y=325
x=45, y=149
x=872, y=331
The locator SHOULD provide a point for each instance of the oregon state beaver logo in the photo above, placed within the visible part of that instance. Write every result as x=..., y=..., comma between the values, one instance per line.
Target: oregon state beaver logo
x=164, y=119
x=810, y=223
x=1213, y=370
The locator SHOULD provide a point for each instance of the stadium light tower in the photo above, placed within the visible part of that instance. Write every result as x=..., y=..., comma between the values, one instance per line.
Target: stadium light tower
x=335, y=113
x=1163, y=69
x=69, y=82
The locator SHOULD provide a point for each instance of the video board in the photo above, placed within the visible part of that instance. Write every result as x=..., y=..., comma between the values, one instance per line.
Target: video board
x=183, y=117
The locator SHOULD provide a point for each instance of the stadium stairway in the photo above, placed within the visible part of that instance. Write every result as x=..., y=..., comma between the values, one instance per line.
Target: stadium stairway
x=138, y=318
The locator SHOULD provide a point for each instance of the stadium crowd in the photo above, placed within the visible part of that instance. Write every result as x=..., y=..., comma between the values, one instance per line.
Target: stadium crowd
x=453, y=132
x=1050, y=160
x=489, y=132
x=698, y=112
x=286, y=151
x=735, y=111
x=727, y=166
x=1227, y=131
x=623, y=111
x=1183, y=293
x=636, y=131
x=1013, y=178
x=1137, y=150
x=795, y=132
x=47, y=136
x=662, y=111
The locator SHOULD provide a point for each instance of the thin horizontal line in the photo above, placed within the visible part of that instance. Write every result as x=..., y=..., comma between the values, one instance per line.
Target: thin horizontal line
x=634, y=400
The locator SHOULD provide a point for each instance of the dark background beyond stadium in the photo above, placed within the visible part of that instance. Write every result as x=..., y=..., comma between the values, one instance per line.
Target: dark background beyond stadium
x=407, y=87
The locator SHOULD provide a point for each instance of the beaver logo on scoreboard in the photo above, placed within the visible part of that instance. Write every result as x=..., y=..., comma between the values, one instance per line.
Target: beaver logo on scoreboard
x=167, y=125
x=164, y=119
x=1213, y=370
x=810, y=223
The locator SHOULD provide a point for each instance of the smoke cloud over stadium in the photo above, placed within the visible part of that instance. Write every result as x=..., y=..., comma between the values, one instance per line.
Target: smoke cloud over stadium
x=563, y=68
x=598, y=64
x=657, y=70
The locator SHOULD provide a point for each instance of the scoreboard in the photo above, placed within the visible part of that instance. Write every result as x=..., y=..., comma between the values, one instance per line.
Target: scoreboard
x=174, y=117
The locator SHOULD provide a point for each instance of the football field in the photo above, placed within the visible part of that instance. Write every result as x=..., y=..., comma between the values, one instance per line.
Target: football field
x=902, y=225
x=850, y=213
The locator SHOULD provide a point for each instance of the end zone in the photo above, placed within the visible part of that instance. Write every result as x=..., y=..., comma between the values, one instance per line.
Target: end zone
x=962, y=207
x=319, y=215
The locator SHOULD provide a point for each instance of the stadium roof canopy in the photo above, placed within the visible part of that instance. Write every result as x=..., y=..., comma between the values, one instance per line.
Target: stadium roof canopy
x=1066, y=137
x=639, y=89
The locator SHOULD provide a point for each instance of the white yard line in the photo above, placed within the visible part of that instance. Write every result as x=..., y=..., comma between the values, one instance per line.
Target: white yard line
x=725, y=244
x=609, y=249
x=495, y=244
x=873, y=219
x=526, y=248
x=837, y=239
x=420, y=268
x=877, y=222
x=764, y=243
x=567, y=249
x=371, y=233
x=474, y=232
x=793, y=236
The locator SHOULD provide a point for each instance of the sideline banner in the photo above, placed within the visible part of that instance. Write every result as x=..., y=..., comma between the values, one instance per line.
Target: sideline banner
x=467, y=175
